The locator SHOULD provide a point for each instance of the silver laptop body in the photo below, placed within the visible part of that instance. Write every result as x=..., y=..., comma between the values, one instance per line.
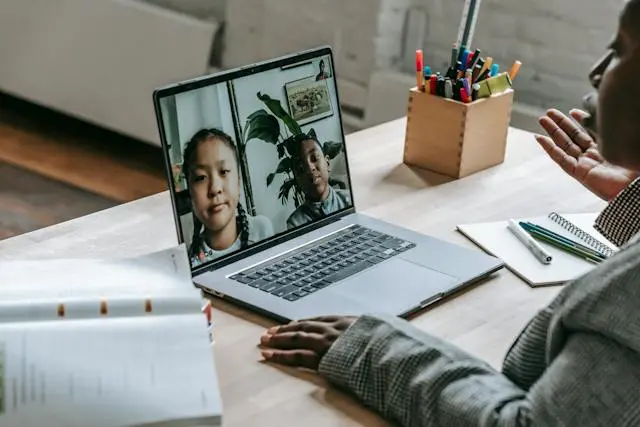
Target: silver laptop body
x=280, y=239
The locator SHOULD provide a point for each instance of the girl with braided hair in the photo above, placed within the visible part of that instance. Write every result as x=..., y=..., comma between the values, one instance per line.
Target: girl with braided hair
x=221, y=224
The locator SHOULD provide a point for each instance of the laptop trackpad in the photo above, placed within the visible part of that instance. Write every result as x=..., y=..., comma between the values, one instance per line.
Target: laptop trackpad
x=395, y=286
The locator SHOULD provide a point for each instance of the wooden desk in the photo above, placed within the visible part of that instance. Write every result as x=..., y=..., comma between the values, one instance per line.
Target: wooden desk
x=483, y=320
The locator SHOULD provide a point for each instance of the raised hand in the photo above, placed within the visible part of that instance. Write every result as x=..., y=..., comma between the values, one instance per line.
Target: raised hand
x=576, y=152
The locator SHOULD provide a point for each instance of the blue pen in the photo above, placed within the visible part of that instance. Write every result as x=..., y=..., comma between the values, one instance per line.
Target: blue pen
x=427, y=72
x=495, y=69
x=465, y=59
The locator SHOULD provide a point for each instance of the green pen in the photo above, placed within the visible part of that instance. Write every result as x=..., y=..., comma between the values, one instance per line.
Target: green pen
x=530, y=226
x=565, y=247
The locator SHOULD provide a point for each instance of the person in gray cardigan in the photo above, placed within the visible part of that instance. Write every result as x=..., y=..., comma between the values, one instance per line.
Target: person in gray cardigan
x=577, y=363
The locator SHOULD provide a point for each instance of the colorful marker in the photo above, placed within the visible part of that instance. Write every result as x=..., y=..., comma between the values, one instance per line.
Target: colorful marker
x=448, y=89
x=467, y=85
x=432, y=84
x=476, y=88
x=464, y=95
x=476, y=72
x=464, y=60
x=469, y=77
x=487, y=65
x=427, y=79
x=515, y=68
x=475, y=58
x=454, y=55
x=419, y=69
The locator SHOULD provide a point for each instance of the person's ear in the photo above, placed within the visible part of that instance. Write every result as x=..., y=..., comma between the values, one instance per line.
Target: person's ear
x=328, y=159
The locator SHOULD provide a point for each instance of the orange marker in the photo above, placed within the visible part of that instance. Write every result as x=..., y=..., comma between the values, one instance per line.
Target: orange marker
x=513, y=72
x=487, y=65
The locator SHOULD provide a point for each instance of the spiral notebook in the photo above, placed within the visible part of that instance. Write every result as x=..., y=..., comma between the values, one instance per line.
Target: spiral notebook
x=497, y=240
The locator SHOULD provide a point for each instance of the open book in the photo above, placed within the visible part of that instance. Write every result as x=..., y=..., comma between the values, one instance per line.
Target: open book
x=105, y=343
x=496, y=239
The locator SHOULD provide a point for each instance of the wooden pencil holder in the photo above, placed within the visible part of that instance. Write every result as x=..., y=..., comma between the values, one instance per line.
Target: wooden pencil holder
x=453, y=138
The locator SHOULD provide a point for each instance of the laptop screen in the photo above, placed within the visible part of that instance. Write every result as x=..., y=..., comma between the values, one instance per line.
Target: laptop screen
x=255, y=157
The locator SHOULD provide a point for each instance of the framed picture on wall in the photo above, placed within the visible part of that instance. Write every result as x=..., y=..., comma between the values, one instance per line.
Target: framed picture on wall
x=308, y=99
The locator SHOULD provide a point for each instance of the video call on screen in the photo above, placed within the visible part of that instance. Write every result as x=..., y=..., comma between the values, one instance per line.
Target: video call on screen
x=255, y=157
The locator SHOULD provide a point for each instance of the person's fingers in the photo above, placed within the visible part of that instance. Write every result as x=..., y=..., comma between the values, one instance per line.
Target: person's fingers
x=564, y=160
x=576, y=133
x=304, y=326
x=296, y=341
x=559, y=137
x=579, y=115
x=295, y=358
x=324, y=319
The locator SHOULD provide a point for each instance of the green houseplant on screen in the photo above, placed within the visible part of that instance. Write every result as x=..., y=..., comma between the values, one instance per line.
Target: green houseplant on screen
x=267, y=127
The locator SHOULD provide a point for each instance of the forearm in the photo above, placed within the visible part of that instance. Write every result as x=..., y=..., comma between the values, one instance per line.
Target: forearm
x=418, y=380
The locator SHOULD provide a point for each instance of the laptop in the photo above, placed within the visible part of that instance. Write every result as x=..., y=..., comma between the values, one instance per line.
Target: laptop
x=262, y=197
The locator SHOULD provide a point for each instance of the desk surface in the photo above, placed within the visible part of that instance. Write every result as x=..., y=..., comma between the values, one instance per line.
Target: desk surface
x=483, y=320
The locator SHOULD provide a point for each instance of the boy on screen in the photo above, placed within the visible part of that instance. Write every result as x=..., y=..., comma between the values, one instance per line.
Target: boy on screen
x=220, y=223
x=311, y=168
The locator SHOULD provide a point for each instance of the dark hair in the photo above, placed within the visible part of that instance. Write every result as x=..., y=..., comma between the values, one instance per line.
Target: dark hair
x=294, y=143
x=189, y=156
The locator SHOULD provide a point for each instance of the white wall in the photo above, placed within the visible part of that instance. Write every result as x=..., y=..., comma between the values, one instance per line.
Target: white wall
x=263, y=157
x=203, y=108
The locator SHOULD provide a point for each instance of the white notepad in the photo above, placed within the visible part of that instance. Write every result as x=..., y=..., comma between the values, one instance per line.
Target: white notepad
x=496, y=239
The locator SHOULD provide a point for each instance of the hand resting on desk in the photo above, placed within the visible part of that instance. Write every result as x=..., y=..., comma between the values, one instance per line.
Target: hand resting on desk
x=302, y=344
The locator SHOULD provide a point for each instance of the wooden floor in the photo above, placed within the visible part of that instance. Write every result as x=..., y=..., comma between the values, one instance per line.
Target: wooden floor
x=54, y=168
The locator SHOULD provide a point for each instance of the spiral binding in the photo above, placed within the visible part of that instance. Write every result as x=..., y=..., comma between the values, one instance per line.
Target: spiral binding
x=581, y=234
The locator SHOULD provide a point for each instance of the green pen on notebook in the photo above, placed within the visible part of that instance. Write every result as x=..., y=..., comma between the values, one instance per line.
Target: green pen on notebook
x=565, y=247
x=530, y=226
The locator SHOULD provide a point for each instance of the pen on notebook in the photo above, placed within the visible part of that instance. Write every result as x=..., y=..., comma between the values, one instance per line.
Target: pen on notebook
x=419, y=69
x=534, y=247
x=565, y=247
x=530, y=226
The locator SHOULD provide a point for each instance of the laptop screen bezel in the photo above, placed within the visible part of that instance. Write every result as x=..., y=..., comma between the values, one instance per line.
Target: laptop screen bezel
x=223, y=77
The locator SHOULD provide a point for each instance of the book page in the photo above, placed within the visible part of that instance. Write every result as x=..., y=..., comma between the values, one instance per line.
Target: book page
x=84, y=287
x=123, y=372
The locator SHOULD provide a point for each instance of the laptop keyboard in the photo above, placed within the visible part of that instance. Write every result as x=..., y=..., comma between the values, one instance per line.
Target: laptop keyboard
x=319, y=264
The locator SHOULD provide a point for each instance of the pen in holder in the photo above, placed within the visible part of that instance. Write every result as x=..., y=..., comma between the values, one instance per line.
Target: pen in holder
x=455, y=138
